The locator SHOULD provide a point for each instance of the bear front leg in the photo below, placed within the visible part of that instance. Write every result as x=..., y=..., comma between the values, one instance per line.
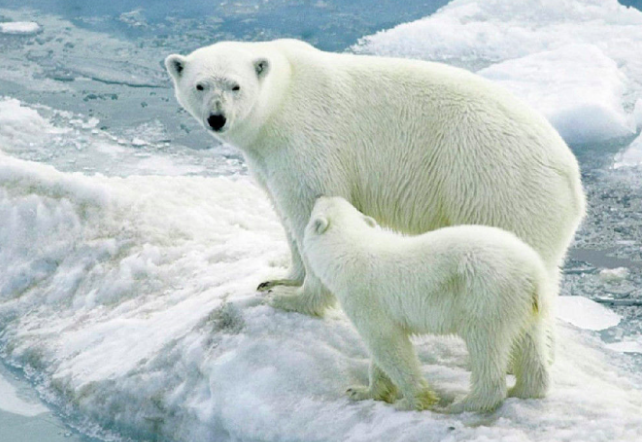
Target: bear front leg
x=296, y=273
x=381, y=387
x=310, y=299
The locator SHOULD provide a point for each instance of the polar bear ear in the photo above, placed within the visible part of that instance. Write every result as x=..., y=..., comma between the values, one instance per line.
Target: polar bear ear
x=262, y=67
x=321, y=225
x=175, y=64
x=370, y=221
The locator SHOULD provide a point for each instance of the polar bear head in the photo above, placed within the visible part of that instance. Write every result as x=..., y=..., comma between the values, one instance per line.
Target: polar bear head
x=220, y=85
x=336, y=213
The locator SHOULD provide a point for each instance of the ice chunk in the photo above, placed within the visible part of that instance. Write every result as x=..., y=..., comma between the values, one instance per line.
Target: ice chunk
x=631, y=156
x=586, y=314
x=614, y=275
x=626, y=346
x=576, y=60
x=19, y=27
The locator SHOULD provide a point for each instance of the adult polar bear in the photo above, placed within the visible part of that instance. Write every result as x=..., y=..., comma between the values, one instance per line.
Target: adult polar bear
x=416, y=145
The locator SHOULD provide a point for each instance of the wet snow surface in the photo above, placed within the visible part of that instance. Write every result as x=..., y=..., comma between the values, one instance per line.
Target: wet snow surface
x=131, y=244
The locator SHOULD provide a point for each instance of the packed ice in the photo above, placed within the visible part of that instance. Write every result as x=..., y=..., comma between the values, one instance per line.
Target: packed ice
x=130, y=263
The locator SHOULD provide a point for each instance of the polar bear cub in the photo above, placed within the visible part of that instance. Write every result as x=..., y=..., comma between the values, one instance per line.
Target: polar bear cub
x=481, y=283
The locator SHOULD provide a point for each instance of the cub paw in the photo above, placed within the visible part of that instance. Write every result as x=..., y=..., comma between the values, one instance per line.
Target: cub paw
x=424, y=399
x=474, y=405
x=361, y=392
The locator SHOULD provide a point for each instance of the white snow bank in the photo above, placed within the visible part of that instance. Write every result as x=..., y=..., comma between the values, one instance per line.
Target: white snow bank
x=131, y=302
x=21, y=127
x=586, y=314
x=575, y=60
x=19, y=27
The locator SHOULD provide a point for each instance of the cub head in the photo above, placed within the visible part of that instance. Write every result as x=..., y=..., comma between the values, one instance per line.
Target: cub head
x=219, y=85
x=336, y=213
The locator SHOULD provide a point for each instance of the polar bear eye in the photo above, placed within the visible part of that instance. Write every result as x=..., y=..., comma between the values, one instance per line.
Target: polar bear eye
x=200, y=87
x=236, y=88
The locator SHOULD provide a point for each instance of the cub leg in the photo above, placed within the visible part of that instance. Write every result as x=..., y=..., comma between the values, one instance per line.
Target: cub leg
x=489, y=351
x=381, y=387
x=531, y=364
x=393, y=352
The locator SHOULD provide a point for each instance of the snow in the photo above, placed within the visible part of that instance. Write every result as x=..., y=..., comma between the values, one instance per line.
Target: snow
x=574, y=60
x=137, y=294
x=20, y=27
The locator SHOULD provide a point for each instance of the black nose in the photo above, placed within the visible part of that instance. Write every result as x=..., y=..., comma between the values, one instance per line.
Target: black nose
x=216, y=121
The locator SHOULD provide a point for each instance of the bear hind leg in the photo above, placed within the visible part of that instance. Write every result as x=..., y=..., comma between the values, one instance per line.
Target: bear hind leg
x=489, y=352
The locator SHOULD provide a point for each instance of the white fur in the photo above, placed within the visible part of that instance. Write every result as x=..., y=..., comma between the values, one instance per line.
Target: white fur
x=416, y=145
x=481, y=283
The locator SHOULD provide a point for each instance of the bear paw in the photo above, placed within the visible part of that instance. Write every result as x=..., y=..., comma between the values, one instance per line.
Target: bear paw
x=424, y=399
x=268, y=285
x=292, y=301
x=359, y=393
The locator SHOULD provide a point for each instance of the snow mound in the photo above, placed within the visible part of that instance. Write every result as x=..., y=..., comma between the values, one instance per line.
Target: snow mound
x=131, y=302
x=575, y=60
x=19, y=27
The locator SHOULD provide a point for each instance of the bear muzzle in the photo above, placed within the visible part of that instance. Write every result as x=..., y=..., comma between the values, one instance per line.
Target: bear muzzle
x=216, y=122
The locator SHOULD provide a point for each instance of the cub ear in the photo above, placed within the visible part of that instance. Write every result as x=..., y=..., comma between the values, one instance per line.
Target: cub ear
x=261, y=67
x=370, y=221
x=175, y=64
x=321, y=225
